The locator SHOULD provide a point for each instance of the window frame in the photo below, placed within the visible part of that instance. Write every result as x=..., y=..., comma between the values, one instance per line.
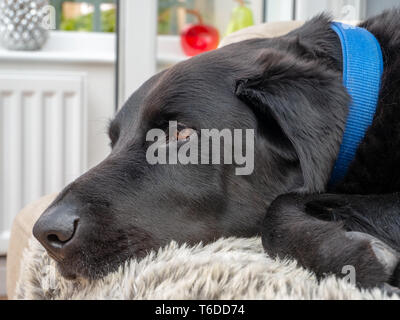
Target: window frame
x=134, y=13
x=57, y=4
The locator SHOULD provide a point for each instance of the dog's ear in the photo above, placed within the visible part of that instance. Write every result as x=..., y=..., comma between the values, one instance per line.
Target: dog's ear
x=301, y=103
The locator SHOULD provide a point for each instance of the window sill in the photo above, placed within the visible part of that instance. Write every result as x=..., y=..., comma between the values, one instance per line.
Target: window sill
x=89, y=47
x=69, y=47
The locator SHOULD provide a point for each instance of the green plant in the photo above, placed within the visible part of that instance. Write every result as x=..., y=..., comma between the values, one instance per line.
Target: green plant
x=108, y=20
x=85, y=22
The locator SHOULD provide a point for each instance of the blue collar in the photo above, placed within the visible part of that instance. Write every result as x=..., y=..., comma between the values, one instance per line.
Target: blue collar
x=362, y=73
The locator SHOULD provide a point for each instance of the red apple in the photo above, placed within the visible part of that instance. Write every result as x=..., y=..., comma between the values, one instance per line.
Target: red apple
x=199, y=38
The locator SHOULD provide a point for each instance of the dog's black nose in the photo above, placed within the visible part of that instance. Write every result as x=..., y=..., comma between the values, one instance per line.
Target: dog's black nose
x=56, y=229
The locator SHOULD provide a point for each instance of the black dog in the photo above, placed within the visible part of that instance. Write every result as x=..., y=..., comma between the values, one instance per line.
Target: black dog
x=288, y=89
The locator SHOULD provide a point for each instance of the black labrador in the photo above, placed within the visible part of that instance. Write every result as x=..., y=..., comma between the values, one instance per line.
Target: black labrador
x=289, y=90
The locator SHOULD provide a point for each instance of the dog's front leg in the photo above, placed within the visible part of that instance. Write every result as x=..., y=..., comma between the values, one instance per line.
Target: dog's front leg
x=325, y=247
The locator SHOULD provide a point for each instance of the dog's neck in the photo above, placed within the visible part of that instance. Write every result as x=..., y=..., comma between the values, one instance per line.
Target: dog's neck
x=343, y=48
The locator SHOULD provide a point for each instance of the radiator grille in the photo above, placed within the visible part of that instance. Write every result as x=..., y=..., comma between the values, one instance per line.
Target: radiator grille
x=42, y=139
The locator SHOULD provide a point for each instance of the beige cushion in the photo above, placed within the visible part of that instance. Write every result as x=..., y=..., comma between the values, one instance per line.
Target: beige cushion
x=23, y=223
x=20, y=234
x=267, y=30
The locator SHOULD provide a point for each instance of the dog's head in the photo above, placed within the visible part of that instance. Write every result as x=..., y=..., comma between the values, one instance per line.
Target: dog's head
x=127, y=206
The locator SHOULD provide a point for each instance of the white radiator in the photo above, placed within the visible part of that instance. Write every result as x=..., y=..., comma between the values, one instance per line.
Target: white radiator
x=42, y=138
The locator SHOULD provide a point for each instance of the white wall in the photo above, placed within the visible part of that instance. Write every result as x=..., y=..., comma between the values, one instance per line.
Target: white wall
x=340, y=9
x=281, y=10
x=377, y=6
x=343, y=9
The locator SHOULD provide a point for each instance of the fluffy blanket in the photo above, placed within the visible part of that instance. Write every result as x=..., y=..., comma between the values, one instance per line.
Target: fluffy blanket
x=227, y=269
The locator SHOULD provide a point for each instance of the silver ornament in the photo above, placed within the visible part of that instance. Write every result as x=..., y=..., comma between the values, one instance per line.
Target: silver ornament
x=21, y=26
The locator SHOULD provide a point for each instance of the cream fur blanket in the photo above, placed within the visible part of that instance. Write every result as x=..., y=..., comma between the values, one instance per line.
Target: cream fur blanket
x=227, y=269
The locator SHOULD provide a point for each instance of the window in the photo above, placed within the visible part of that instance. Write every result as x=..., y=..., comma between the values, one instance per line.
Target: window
x=173, y=17
x=156, y=25
x=85, y=15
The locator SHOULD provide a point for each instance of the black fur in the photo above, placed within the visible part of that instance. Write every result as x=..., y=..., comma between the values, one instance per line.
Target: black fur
x=315, y=234
x=290, y=90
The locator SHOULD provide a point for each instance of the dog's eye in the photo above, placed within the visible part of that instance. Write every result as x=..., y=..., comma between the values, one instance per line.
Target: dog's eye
x=181, y=134
x=184, y=134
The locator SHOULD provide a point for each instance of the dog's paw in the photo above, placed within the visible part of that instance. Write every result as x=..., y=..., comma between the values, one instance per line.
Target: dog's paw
x=385, y=255
x=390, y=290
